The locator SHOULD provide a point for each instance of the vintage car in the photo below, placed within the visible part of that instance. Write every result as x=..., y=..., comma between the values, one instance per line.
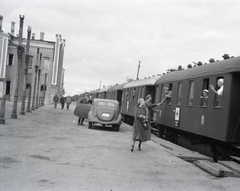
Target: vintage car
x=105, y=112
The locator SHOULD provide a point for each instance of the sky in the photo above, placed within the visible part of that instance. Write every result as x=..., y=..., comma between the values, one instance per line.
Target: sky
x=106, y=39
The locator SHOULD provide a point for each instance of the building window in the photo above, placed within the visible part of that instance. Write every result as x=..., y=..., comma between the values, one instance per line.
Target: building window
x=191, y=93
x=10, y=59
x=30, y=62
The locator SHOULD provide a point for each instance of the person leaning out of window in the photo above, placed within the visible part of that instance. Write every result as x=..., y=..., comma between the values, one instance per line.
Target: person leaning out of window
x=219, y=91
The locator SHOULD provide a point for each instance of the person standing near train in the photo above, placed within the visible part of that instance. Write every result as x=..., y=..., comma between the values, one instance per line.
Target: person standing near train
x=150, y=105
x=84, y=100
x=141, y=126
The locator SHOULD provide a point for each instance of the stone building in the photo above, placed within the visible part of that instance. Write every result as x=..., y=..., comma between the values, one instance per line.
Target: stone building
x=45, y=68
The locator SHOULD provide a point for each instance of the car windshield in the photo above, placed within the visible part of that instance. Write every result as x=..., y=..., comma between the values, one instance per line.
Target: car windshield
x=106, y=103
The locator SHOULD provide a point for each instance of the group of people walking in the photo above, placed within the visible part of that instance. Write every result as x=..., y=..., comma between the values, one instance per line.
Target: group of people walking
x=62, y=100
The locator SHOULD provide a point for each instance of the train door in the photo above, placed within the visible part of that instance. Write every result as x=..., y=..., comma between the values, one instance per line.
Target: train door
x=150, y=90
x=234, y=109
x=178, y=105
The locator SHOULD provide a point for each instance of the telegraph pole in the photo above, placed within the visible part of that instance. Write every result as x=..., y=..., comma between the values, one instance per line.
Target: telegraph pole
x=20, y=50
x=138, y=69
x=22, y=112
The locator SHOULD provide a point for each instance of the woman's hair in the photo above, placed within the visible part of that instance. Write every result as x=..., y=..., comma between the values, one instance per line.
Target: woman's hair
x=139, y=101
x=221, y=80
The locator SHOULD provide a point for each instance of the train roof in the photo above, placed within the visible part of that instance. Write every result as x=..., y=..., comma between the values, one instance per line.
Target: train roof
x=94, y=91
x=216, y=68
x=103, y=89
x=116, y=87
x=143, y=82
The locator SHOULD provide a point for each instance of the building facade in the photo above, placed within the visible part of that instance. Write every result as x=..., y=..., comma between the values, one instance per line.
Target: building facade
x=45, y=76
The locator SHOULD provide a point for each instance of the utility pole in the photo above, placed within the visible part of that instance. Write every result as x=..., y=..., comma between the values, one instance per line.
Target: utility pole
x=20, y=50
x=138, y=69
x=22, y=112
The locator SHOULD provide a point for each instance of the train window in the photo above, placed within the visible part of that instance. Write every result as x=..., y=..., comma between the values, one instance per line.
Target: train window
x=169, y=94
x=133, y=94
x=204, y=96
x=179, y=93
x=191, y=93
x=218, y=90
x=166, y=95
x=139, y=93
x=157, y=94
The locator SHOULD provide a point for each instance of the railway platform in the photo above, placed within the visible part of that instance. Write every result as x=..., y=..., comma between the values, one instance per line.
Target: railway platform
x=47, y=150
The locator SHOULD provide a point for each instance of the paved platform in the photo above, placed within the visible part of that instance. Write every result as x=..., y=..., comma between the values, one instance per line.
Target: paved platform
x=47, y=150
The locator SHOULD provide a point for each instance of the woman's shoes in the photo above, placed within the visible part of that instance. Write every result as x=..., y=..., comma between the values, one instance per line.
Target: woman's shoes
x=139, y=147
x=132, y=148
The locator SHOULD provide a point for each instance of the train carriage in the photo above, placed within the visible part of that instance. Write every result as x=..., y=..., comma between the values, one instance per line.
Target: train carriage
x=102, y=92
x=132, y=91
x=115, y=92
x=185, y=111
x=94, y=93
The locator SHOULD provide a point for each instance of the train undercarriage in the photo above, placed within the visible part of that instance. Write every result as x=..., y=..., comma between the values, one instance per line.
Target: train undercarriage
x=209, y=147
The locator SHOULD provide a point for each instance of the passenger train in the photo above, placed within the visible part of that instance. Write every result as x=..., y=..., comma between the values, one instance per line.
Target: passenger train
x=211, y=128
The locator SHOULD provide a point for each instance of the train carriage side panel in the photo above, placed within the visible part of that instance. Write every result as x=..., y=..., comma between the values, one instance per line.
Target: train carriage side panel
x=210, y=121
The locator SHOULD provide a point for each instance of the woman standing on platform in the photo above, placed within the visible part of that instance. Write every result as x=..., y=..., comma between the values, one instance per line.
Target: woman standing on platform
x=141, y=126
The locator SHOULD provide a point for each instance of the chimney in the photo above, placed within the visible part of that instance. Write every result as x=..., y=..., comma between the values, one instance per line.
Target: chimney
x=41, y=35
x=226, y=56
x=33, y=36
x=12, y=28
x=211, y=60
x=1, y=20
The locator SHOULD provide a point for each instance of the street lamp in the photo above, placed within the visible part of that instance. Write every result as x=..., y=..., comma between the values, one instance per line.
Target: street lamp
x=20, y=50
x=26, y=73
x=35, y=81
x=39, y=75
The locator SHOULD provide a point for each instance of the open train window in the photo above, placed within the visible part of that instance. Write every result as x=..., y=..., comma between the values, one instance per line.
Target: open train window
x=169, y=94
x=166, y=95
x=133, y=94
x=191, y=93
x=179, y=95
x=205, y=89
x=218, y=90
x=157, y=93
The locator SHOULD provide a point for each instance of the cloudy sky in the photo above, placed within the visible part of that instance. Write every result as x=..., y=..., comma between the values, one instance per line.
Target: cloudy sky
x=106, y=39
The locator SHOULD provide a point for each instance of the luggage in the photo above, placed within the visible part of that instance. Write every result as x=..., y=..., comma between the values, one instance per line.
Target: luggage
x=82, y=110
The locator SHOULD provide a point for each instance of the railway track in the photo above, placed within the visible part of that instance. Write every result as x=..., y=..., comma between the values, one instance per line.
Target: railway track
x=222, y=168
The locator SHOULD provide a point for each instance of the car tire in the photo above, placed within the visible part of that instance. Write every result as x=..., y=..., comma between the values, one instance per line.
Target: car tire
x=116, y=127
x=89, y=125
